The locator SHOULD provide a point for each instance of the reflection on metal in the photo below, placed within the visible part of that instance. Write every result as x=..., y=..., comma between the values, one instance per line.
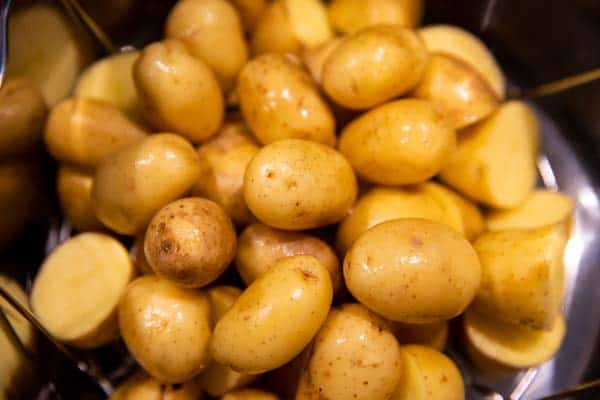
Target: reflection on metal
x=4, y=9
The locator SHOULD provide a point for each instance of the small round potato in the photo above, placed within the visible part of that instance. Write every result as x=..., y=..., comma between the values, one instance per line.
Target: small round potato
x=373, y=66
x=249, y=394
x=132, y=185
x=399, y=143
x=349, y=16
x=280, y=101
x=413, y=271
x=166, y=328
x=74, y=189
x=190, y=242
x=434, y=335
x=314, y=58
x=179, y=93
x=143, y=387
x=260, y=246
x=258, y=333
x=249, y=11
x=297, y=184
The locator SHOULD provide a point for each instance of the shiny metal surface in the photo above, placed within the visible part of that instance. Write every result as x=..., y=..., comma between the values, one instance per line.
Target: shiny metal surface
x=4, y=9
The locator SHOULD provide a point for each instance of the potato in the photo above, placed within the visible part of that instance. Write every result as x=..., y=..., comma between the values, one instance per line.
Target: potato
x=315, y=57
x=257, y=333
x=349, y=16
x=76, y=292
x=297, y=184
x=166, y=328
x=434, y=335
x=541, y=209
x=495, y=160
x=261, y=246
x=522, y=275
x=413, y=271
x=249, y=394
x=284, y=380
x=374, y=65
x=221, y=299
x=212, y=31
x=179, y=93
x=74, y=189
x=143, y=387
x=457, y=90
x=132, y=185
x=223, y=162
x=354, y=356
x=458, y=42
x=497, y=344
x=280, y=101
x=249, y=12
x=398, y=143
x=139, y=258
x=22, y=117
x=428, y=375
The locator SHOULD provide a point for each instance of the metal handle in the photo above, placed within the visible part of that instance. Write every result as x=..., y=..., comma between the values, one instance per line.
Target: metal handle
x=5, y=7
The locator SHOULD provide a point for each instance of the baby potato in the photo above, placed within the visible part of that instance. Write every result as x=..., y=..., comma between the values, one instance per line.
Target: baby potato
x=86, y=131
x=429, y=375
x=495, y=162
x=354, y=356
x=373, y=66
x=166, y=328
x=260, y=246
x=461, y=44
x=314, y=58
x=143, y=387
x=280, y=101
x=22, y=117
x=74, y=189
x=297, y=184
x=457, y=90
x=221, y=299
x=132, y=185
x=179, y=93
x=212, y=31
x=257, y=333
x=76, y=292
x=349, y=16
x=249, y=12
x=522, y=275
x=413, y=271
x=249, y=394
x=398, y=143
x=434, y=335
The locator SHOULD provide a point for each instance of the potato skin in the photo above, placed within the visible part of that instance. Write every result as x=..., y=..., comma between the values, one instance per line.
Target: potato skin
x=398, y=143
x=249, y=394
x=190, y=242
x=257, y=333
x=143, y=387
x=314, y=58
x=135, y=183
x=434, y=335
x=273, y=32
x=250, y=12
x=166, y=328
x=74, y=189
x=413, y=271
x=349, y=16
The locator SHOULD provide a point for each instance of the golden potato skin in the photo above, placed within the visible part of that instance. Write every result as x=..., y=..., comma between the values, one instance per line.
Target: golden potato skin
x=273, y=32
x=279, y=101
x=249, y=394
x=354, y=356
x=249, y=12
x=190, y=242
x=434, y=335
x=314, y=58
x=132, y=185
x=74, y=189
x=143, y=387
x=257, y=333
x=166, y=328
x=413, y=271
x=374, y=65
x=297, y=184
x=398, y=143
x=260, y=246
x=349, y=16
x=179, y=93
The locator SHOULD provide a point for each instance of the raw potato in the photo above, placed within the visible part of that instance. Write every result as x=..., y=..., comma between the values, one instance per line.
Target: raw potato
x=166, y=328
x=314, y=58
x=541, y=209
x=260, y=246
x=74, y=189
x=457, y=90
x=257, y=333
x=139, y=258
x=458, y=42
x=22, y=117
x=85, y=131
x=349, y=16
x=297, y=184
x=132, y=185
x=434, y=335
x=179, y=93
x=250, y=12
x=522, y=275
x=413, y=271
x=143, y=387
x=280, y=101
x=354, y=356
x=309, y=21
x=190, y=242
x=374, y=65
x=221, y=299
x=491, y=342
x=223, y=162
x=249, y=394
x=429, y=375
x=76, y=293
x=398, y=143
x=212, y=31
x=495, y=163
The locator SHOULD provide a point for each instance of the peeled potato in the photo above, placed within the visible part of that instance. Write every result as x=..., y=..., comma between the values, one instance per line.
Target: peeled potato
x=143, y=387
x=434, y=335
x=74, y=188
x=349, y=16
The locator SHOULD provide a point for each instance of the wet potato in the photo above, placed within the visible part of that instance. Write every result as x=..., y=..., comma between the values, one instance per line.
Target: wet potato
x=349, y=16
x=143, y=387
x=74, y=189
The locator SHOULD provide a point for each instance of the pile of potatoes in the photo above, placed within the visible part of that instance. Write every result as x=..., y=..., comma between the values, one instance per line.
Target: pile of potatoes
x=313, y=191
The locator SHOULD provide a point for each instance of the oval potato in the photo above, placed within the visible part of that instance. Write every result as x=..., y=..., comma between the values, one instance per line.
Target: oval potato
x=74, y=189
x=315, y=57
x=349, y=16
